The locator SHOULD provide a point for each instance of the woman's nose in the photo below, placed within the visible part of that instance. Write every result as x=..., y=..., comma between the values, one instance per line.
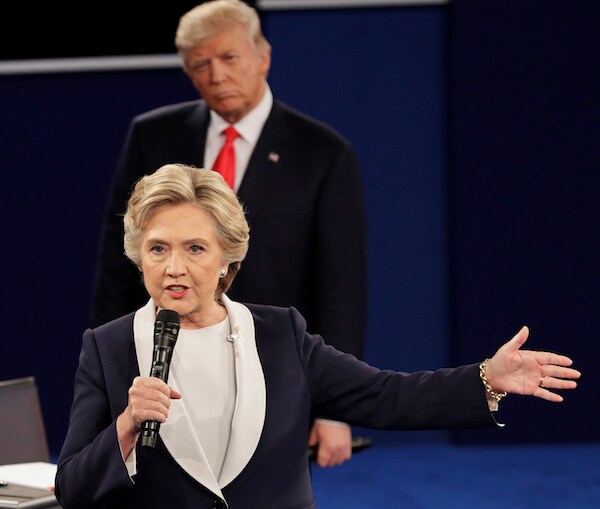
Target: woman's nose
x=175, y=265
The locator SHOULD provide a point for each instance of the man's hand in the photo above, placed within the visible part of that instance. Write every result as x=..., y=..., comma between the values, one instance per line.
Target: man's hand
x=333, y=441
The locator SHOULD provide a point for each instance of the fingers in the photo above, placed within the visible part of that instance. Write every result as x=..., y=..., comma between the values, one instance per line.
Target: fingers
x=519, y=338
x=542, y=393
x=548, y=382
x=559, y=372
x=313, y=438
x=334, y=441
x=556, y=377
x=328, y=456
x=549, y=358
x=150, y=400
x=553, y=383
x=543, y=358
x=174, y=394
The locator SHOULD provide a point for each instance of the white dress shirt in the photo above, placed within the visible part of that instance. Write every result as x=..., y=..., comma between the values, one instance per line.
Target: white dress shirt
x=249, y=129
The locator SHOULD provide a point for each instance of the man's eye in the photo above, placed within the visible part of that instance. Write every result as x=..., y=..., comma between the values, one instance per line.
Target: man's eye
x=199, y=67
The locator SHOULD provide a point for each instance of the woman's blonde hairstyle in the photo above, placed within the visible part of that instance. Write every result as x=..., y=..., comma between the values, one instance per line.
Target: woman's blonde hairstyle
x=174, y=184
x=210, y=18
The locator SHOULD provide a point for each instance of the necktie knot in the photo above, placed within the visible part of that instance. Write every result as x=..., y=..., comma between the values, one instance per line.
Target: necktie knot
x=230, y=134
x=225, y=162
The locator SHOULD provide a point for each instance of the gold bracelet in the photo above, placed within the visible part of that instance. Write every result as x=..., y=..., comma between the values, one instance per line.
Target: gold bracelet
x=491, y=393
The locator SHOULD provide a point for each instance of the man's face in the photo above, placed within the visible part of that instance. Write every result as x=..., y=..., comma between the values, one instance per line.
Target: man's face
x=228, y=72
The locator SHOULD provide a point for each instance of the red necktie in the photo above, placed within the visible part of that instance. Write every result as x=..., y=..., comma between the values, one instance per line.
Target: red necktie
x=225, y=162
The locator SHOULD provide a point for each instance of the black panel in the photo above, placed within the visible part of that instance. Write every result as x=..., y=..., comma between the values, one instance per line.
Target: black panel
x=525, y=184
x=57, y=30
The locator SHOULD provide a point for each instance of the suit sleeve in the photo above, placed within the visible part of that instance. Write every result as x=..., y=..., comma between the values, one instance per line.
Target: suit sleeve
x=340, y=243
x=346, y=389
x=90, y=465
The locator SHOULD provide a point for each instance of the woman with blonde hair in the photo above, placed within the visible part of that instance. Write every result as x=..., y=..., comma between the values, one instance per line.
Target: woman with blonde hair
x=246, y=380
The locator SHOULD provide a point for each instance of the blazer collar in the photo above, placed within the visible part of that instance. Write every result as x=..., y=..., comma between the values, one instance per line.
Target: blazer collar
x=178, y=434
x=266, y=162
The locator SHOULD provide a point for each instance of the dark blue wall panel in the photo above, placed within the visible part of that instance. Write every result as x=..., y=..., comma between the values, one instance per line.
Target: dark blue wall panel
x=378, y=76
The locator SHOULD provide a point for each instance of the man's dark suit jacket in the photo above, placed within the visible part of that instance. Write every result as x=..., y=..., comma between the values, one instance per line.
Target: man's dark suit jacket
x=301, y=374
x=303, y=195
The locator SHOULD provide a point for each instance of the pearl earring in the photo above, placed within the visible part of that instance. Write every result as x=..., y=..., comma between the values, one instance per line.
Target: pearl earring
x=222, y=273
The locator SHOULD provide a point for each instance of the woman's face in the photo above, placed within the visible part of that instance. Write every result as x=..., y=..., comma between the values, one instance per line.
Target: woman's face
x=181, y=261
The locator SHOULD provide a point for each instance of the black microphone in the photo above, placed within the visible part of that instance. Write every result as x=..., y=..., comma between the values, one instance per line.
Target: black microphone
x=166, y=329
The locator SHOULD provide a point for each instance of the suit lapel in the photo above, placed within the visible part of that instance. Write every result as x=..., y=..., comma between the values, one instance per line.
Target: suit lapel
x=266, y=162
x=251, y=396
x=191, y=141
x=178, y=433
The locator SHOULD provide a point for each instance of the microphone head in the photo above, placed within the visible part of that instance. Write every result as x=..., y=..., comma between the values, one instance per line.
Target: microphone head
x=166, y=328
x=166, y=315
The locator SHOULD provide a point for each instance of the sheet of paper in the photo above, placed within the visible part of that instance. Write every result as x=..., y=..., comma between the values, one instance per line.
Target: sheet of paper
x=38, y=474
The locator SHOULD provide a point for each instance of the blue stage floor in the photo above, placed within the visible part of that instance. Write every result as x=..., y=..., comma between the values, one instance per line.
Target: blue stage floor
x=462, y=476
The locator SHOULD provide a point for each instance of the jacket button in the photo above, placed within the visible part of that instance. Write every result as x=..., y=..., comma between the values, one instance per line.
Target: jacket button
x=219, y=504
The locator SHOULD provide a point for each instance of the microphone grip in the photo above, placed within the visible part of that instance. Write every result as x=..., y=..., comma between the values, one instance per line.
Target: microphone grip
x=149, y=433
x=160, y=369
x=166, y=329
